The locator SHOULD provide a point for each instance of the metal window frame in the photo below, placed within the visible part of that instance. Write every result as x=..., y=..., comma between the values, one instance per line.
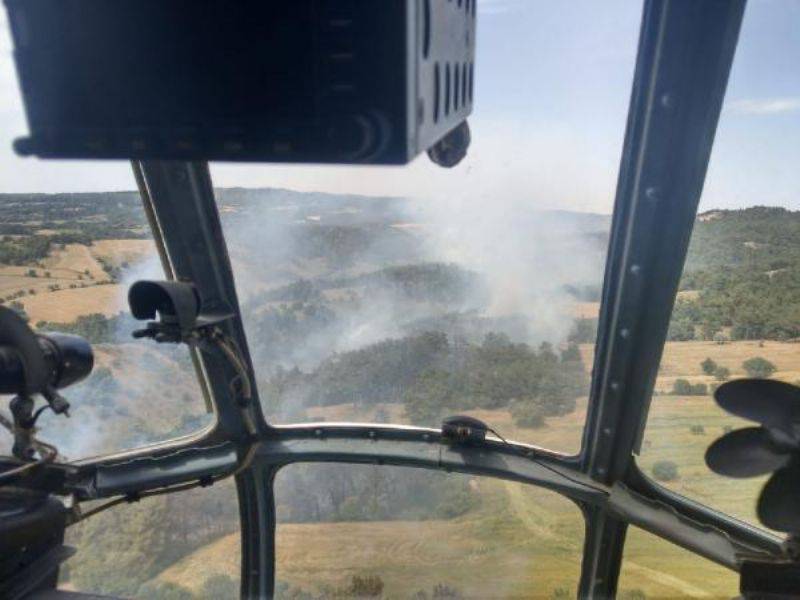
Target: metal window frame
x=684, y=57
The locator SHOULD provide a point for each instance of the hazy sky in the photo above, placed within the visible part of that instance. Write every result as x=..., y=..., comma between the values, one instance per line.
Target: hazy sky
x=552, y=89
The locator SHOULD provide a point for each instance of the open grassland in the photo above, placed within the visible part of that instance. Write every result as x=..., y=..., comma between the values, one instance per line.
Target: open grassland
x=682, y=359
x=661, y=570
x=72, y=281
x=679, y=429
x=78, y=259
x=521, y=542
x=118, y=252
x=519, y=539
x=66, y=305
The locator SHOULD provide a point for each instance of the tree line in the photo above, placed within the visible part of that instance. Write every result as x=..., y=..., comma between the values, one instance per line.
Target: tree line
x=744, y=266
x=432, y=374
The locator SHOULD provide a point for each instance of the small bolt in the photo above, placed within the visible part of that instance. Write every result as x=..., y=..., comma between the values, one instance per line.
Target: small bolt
x=653, y=194
x=318, y=432
x=614, y=386
x=426, y=437
x=372, y=435
x=635, y=269
x=624, y=333
x=667, y=101
x=607, y=431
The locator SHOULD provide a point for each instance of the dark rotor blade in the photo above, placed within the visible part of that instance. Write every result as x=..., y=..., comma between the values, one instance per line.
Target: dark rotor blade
x=779, y=503
x=771, y=403
x=745, y=453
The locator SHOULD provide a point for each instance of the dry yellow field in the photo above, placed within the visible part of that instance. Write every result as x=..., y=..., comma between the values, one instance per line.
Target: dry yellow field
x=12, y=282
x=64, y=306
x=76, y=258
x=117, y=252
x=520, y=543
x=76, y=270
x=682, y=359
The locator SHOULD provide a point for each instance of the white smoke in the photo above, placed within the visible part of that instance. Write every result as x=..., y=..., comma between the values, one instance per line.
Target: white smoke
x=527, y=256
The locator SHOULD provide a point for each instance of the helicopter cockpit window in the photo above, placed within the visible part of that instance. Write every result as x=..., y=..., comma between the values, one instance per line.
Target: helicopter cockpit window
x=392, y=532
x=461, y=297
x=73, y=237
x=404, y=295
x=737, y=312
x=654, y=568
x=172, y=546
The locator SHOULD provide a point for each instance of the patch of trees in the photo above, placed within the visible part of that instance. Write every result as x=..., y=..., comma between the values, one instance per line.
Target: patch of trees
x=124, y=547
x=24, y=250
x=471, y=325
x=363, y=587
x=684, y=387
x=310, y=493
x=584, y=331
x=711, y=367
x=302, y=290
x=751, y=305
x=425, y=282
x=32, y=248
x=92, y=216
x=432, y=374
x=15, y=229
x=96, y=328
x=758, y=367
x=665, y=470
x=282, y=333
x=745, y=266
x=341, y=245
x=114, y=272
x=19, y=308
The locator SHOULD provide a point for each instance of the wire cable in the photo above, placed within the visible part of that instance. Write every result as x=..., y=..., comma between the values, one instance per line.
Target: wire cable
x=231, y=352
x=47, y=453
x=79, y=515
x=535, y=459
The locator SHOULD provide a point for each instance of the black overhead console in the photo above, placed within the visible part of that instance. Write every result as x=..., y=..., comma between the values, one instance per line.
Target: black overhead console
x=330, y=81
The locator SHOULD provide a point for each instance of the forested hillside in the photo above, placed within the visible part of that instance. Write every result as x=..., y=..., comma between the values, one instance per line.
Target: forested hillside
x=742, y=277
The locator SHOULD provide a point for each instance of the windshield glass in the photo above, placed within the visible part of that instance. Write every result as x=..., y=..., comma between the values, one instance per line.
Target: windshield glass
x=655, y=568
x=405, y=294
x=737, y=313
x=369, y=531
x=177, y=546
x=73, y=238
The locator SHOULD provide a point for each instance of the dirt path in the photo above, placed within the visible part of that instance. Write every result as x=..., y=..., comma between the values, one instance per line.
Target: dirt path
x=522, y=509
x=682, y=588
